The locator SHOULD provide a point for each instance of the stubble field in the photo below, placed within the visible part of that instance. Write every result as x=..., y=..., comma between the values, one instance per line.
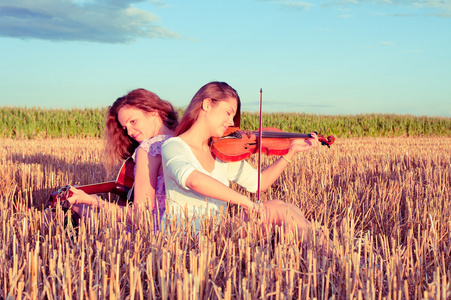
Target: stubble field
x=384, y=203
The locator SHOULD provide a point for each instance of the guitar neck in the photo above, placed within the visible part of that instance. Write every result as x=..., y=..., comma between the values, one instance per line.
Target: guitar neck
x=104, y=187
x=124, y=182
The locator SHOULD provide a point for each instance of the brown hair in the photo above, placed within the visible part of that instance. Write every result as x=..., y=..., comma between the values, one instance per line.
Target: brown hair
x=216, y=91
x=118, y=145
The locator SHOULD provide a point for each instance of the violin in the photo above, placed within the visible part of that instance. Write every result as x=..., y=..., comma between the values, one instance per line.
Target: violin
x=237, y=144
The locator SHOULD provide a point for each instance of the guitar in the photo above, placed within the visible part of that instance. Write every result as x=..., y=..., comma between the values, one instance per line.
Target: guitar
x=122, y=186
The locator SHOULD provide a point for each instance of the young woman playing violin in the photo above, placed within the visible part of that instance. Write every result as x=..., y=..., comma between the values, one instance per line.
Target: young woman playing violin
x=197, y=182
x=137, y=124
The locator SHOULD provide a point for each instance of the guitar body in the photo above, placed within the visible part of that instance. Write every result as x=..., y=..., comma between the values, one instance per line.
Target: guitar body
x=123, y=186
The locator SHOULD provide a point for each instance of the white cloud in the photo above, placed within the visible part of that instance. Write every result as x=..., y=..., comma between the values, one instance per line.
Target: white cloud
x=107, y=21
x=439, y=4
x=443, y=15
x=434, y=4
x=443, y=7
x=297, y=4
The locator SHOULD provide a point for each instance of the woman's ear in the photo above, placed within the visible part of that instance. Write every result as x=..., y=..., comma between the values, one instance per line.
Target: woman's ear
x=206, y=104
x=150, y=114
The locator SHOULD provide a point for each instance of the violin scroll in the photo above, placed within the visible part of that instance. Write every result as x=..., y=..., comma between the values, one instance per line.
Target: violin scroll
x=326, y=141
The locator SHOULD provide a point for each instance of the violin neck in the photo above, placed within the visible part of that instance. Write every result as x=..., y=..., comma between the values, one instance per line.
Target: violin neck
x=284, y=135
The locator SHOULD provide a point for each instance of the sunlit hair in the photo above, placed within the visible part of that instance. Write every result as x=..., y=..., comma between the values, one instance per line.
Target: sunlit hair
x=118, y=145
x=216, y=91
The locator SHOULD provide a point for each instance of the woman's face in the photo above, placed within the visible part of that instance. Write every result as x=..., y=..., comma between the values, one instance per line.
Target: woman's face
x=221, y=116
x=140, y=125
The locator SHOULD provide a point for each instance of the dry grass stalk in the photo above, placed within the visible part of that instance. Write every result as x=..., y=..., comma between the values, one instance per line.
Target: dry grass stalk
x=385, y=203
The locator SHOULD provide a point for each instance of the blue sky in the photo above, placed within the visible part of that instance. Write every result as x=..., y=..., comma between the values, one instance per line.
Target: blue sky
x=332, y=57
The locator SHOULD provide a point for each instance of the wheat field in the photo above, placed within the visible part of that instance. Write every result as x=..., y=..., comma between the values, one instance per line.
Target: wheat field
x=384, y=203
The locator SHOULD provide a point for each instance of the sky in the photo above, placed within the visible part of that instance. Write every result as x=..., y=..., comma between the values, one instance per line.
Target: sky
x=331, y=57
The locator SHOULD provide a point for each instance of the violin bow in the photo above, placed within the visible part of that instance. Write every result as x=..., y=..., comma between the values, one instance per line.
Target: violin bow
x=259, y=148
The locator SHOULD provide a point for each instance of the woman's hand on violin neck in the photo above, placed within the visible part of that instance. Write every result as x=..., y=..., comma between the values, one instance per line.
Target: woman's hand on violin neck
x=298, y=145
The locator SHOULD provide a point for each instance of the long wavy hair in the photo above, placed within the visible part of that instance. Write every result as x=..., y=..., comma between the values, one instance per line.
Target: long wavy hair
x=118, y=145
x=217, y=91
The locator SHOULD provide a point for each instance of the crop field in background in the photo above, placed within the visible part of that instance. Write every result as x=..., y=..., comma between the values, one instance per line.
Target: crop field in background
x=30, y=123
x=384, y=202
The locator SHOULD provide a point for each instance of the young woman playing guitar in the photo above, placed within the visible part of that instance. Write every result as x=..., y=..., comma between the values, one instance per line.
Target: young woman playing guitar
x=137, y=124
